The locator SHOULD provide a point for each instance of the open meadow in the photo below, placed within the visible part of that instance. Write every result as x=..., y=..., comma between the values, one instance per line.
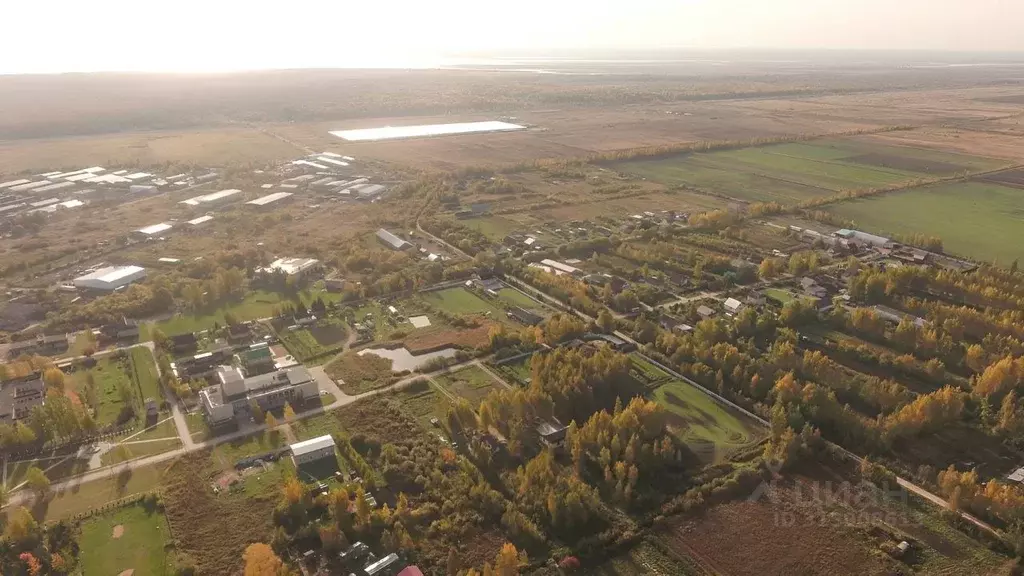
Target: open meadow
x=130, y=539
x=980, y=220
x=796, y=172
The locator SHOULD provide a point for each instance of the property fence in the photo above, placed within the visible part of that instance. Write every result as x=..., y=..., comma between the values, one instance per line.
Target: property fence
x=129, y=500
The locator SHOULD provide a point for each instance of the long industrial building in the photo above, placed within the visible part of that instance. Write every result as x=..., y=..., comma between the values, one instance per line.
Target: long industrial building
x=110, y=278
x=269, y=199
x=214, y=198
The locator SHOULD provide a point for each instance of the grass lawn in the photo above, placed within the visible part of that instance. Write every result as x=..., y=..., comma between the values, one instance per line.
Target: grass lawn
x=709, y=429
x=975, y=219
x=517, y=371
x=226, y=454
x=357, y=374
x=472, y=383
x=129, y=538
x=131, y=450
x=461, y=301
x=256, y=304
x=197, y=426
x=85, y=497
x=784, y=296
x=145, y=373
x=494, y=227
x=110, y=374
x=517, y=298
x=423, y=402
x=319, y=425
x=163, y=430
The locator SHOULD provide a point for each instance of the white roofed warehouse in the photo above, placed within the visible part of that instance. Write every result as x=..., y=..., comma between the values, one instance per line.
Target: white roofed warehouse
x=153, y=231
x=110, y=278
x=319, y=448
x=293, y=266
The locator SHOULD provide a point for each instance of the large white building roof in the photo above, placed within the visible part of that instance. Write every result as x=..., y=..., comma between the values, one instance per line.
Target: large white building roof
x=293, y=265
x=111, y=277
x=565, y=268
x=10, y=183
x=30, y=186
x=395, y=132
x=214, y=197
x=155, y=229
x=269, y=198
x=200, y=220
x=312, y=445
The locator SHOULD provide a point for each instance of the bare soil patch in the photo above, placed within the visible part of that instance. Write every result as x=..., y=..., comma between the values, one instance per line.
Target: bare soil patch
x=118, y=532
x=128, y=572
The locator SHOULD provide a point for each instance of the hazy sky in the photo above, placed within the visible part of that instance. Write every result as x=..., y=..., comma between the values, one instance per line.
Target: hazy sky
x=198, y=35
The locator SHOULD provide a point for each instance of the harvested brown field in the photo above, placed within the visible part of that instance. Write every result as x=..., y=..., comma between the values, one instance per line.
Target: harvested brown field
x=741, y=538
x=961, y=140
x=430, y=339
x=823, y=521
x=208, y=526
x=905, y=163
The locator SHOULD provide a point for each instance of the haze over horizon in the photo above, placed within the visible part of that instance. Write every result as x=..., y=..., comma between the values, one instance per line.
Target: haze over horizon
x=194, y=36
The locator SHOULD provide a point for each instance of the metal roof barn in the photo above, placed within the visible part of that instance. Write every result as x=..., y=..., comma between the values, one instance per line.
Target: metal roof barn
x=30, y=186
x=10, y=183
x=269, y=198
x=211, y=198
x=110, y=278
x=154, y=229
x=200, y=220
x=427, y=130
x=312, y=445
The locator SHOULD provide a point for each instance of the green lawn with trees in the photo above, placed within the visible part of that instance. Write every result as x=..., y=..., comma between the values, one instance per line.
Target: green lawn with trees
x=129, y=538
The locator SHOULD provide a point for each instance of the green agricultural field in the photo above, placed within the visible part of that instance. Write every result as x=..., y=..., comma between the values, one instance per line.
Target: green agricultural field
x=978, y=220
x=790, y=173
x=712, y=431
x=494, y=227
x=472, y=383
x=130, y=538
x=461, y=301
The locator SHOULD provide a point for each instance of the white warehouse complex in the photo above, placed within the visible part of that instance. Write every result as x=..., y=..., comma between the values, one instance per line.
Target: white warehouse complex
x=110, y=278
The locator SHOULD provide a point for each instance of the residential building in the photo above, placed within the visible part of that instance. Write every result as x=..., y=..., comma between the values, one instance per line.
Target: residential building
x=257, y=359
x=561, y=268
x=524, y=316
x=705, y=312
x=551, y=433
x=233, y=392
x=203, y=365
x=110, y=278
x=389, y=565
x=319, y=448
x=41, y=345
x=19, y=396
x=124, y=329
x=293, y=266
x=392, y=241
x=238, y=333
x=184, y=343
x=732, y=305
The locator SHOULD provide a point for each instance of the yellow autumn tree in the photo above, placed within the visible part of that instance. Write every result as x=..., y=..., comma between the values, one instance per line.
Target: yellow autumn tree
x=260, y=560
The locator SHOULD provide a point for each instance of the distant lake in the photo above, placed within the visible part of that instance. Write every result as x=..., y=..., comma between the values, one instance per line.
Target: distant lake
x=402, y=359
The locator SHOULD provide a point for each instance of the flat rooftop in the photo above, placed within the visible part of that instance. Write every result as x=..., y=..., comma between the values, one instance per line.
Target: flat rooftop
x=154, y=229
x=111, y=274
x=312, y=445
x=425, y=130
x=269, y=198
